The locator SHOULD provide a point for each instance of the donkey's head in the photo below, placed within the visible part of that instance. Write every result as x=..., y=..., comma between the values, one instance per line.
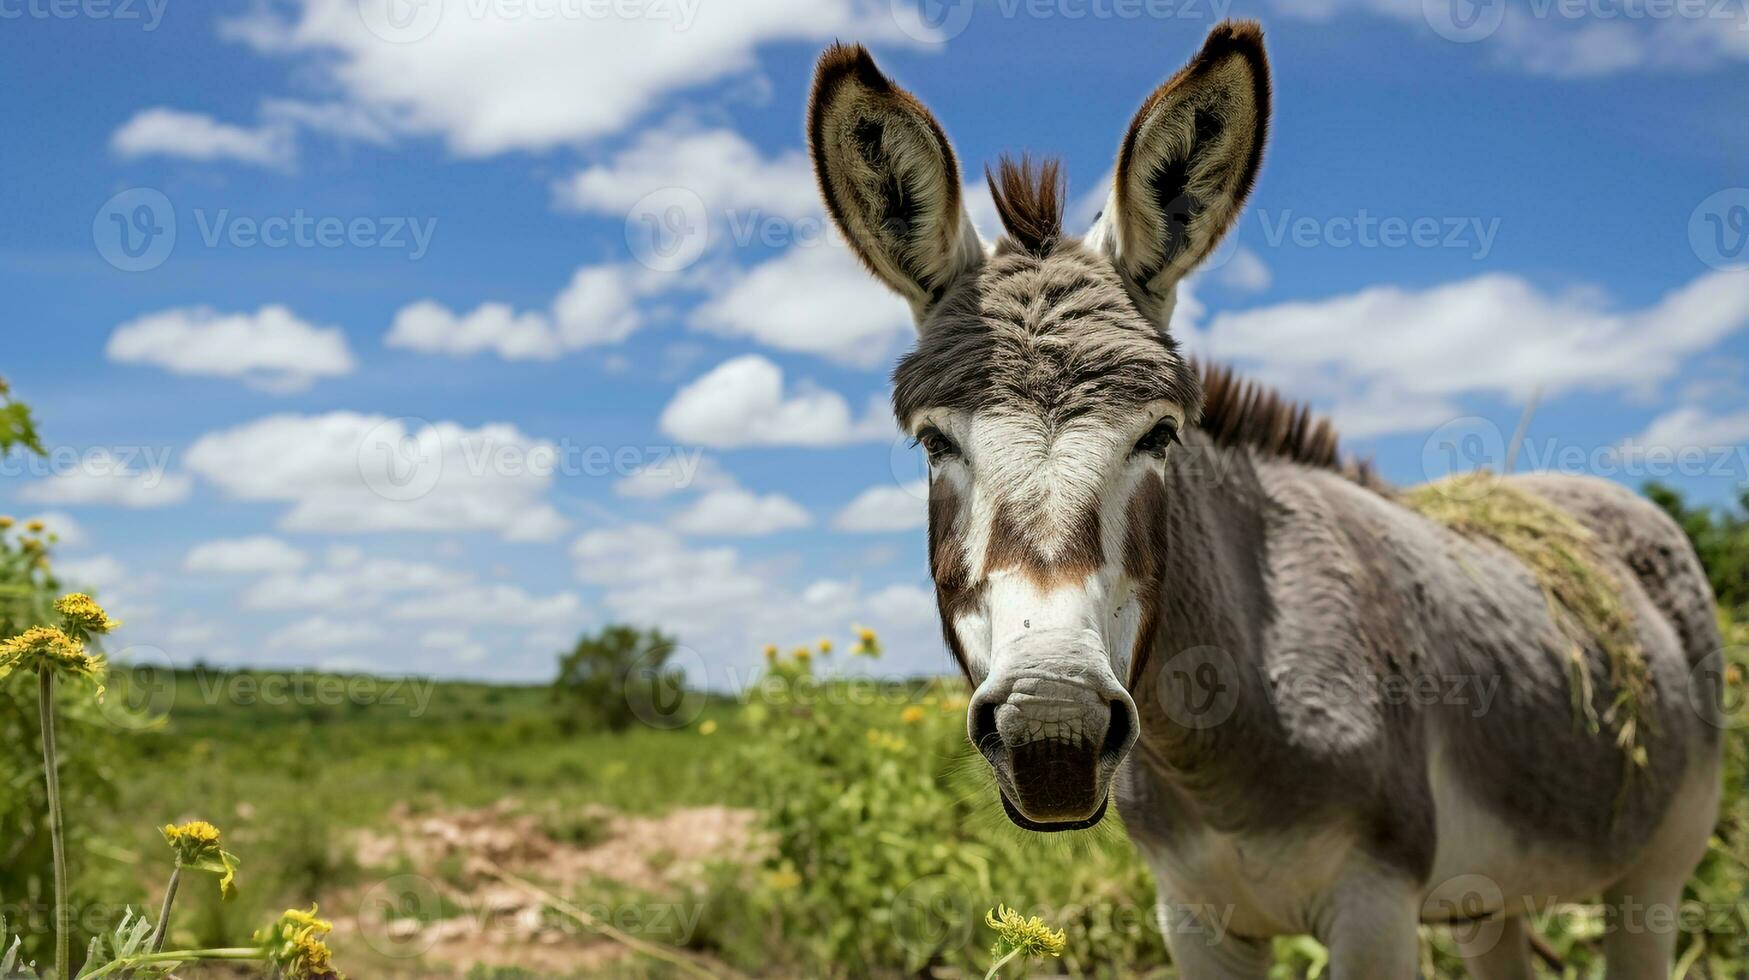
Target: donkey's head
x=1047, y=391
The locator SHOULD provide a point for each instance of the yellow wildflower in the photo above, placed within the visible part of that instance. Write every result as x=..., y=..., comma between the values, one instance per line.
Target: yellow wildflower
x=34, y=527
x=48, y=648
x=825, y=645
x=804, y=654
x=197, y=846
x=709, y=726
x=911, y=715
x=1016, y=934
x=295, y=944
x=771, y=652
x=783, y=879
x=6, y=521
x=83, y=614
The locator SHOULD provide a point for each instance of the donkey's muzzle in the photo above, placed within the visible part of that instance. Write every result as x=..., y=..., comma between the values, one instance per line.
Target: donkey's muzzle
x=1054, y=745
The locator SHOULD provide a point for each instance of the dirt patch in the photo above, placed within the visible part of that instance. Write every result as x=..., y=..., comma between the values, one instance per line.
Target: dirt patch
x=440, y=904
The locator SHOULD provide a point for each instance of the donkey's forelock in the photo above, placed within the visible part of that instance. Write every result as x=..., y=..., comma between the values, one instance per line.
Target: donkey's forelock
x=1029, y=203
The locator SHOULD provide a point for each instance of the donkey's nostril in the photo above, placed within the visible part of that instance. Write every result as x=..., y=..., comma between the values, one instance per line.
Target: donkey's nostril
x=983, y=728
x=1119, y=732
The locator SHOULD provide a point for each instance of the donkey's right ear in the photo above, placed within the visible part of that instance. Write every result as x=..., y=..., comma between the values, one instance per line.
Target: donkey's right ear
x=889, y=178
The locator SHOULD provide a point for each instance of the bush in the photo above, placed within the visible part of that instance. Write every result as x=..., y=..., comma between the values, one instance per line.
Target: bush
x=603, y=678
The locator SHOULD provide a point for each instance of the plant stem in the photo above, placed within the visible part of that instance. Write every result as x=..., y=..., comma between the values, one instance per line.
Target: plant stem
x=997, y=966
x=45, y=694
x=163, y=926
x=177, y=956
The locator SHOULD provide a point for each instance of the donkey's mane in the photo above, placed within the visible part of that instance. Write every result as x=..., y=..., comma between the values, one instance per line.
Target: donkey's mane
x=1238, y=412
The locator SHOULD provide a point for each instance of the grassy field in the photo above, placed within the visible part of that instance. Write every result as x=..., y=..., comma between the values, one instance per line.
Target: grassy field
x=815, y=827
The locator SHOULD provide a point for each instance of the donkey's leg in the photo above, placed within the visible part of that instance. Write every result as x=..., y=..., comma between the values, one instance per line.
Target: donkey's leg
x=1370, y=927
x=1495, y=950
x=1202, y=949
x=1643, y=926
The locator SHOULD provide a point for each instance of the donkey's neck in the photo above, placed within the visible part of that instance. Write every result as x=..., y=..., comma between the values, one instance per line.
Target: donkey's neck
x=1205, y=702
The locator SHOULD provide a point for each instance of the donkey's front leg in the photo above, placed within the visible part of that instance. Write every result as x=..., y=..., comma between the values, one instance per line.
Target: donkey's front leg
x=1369, y=924
x=1202, y=949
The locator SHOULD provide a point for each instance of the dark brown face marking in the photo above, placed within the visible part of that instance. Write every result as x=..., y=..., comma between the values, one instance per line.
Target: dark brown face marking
x=1144, y=559
x=1014, y=545
x=953, y=591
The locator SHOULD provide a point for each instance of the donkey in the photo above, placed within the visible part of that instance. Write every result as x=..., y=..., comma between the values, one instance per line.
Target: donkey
x=1132, y=554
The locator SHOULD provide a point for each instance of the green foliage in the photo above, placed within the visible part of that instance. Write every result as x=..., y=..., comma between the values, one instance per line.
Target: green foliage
x=604, y=676
x=17, y=427
x=888, y=849
x=1721, y=539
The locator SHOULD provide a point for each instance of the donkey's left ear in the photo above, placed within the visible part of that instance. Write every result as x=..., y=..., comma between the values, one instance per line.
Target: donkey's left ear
x=1187, y=164
x=889, y=178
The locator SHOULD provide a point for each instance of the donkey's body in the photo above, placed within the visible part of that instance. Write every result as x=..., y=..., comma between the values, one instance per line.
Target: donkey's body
x=1392, y=733
x=1346, y=719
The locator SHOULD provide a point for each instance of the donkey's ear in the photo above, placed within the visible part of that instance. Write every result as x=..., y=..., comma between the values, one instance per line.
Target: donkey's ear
x=889, y=178
x=1188, y=162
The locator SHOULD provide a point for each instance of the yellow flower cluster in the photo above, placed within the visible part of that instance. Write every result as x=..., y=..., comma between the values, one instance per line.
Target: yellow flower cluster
x=887, y=741
x=912, y=714
x=867, y=644
x=84, y=614
x=195, y=835
x=197, y=846
x=295, y=944
x=1028, y=937
x=47, y=648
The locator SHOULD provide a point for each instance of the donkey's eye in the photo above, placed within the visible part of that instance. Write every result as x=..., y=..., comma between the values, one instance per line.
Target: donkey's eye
x=937, y=445
x=1163, y=434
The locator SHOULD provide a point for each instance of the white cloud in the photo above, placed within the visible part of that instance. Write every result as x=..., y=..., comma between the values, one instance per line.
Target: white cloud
x=162, y=131
x=432, y=328
x=742, y=402
x=496, y=603
x=740, y=513
x=1245, y=271
x=350, y=584
x=270, y=348
x=489, y=78
x=1689, y=428
x=679, y=472
x=1540, y=39
x=461, y=647
x=886, y=508
x=598, y=306
x=1396, y=359
x=724, y=610
x=244, y=556
x=117, y=479
x=727, y=172
x=815, y=299
x=346, y=472
x=323, y=633
x=98, y=573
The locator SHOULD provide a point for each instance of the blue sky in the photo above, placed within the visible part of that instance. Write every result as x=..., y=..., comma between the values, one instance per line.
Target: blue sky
x=1463, y=208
